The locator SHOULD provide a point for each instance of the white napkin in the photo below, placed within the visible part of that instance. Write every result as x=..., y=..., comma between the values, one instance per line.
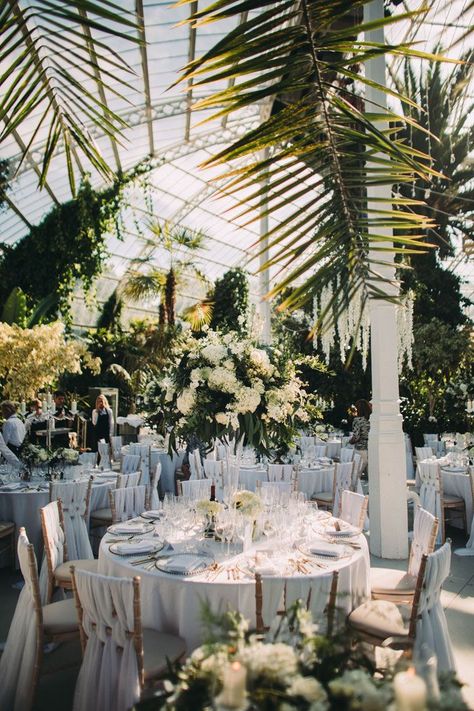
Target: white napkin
x=132, y=528
x=184, y=563
x=152, y=513
x=330, y=550
x=139, y=547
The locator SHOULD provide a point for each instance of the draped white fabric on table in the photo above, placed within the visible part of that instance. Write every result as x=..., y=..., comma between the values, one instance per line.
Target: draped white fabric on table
x=173, y=603
x=22, y=506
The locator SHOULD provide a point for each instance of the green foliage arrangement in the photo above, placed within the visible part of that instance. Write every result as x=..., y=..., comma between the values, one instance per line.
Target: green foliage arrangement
x=231, y=302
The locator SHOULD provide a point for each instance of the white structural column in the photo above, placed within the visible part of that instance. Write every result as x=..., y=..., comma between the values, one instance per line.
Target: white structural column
x=265, y=312
x=387, y=463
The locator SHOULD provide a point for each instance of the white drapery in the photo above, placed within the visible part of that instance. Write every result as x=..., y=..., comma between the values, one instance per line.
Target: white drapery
x=196, y=489
x=352, y=505
x=129, y=502
x=73, y=497
x=104, y=452
x=347, y=454
x=155, y=480
x=432, y=628
x=280, y=472
x=108, y=679
x=430, y=494
x=18, y=659
x=422, y=532
x=55, y=544
x=343, y=480
x=130, y=463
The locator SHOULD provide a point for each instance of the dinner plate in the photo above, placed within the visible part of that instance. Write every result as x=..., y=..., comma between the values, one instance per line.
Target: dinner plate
x=133, y=529
x=152, y=546
x=184, y=564
x=322, y=549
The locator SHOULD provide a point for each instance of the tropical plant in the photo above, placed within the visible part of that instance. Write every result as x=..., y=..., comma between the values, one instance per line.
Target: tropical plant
x=50, y=72
x=318, y=151
x=162, y=282
x=231, y=302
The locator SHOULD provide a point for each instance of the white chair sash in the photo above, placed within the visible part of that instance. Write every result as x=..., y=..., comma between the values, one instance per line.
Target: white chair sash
x=195, y=464
x=422, y=531
x=73, y=497
x=314, y=593
x=88, y=459
x=347, y=454
x=154, y=498
x=320, y=450
x=129, y=501
x=55, y=543
x=196, y=489
x=144, y=453
x=104, y=452
x=432, y=628
x=352, y=508
x=18, y=659
x=108, y=679
x=116, y=444
x=213, y=468
x=343, y=480
x=430, y=492
x=280, y=472
x=423, y=453
x=130, y=463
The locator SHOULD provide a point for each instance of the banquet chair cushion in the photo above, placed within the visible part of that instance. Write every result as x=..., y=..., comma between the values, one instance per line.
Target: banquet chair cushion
x=323, y=496
x=60, y=617
x=102, y=514
x=63, y=573
x=158, y=647
x=381, y=619
x=452, y=500
x=6, y=528
x=389, y=582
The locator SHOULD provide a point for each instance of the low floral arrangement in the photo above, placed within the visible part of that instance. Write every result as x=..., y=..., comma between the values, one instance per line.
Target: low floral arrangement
x=208, y=508
x=35, y=456
x=65, y=455
x=223, y=385
x=247, y=503
x=292, y=667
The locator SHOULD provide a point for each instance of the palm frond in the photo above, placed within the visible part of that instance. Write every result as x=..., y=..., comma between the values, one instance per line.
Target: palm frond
x=50, y=57
x=319, y=151
x=140, y=287
x=199, y=314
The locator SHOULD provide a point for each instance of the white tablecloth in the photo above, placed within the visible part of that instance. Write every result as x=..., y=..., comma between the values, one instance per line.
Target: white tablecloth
x=169, y=465
x=248, y=477
x=174, y=603
x=456, y=483
x=314, y=481
x=22, y=507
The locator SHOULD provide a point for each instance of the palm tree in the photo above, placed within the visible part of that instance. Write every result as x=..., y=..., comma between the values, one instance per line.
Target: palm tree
x=163, y=282
x=49, y=57
x=317, y=151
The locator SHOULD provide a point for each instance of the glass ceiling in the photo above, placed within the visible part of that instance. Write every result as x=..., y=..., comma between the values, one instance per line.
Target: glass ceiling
x=162, y=126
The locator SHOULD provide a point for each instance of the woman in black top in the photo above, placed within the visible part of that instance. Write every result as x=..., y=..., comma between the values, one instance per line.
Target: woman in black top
x=102, y=421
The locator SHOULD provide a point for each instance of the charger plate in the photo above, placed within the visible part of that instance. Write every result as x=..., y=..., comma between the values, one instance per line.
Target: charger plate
x=202, y=563
x=153, y=548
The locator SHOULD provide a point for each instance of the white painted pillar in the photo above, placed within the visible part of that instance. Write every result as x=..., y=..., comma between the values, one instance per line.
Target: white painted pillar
x=387, y=463
x=265, y=312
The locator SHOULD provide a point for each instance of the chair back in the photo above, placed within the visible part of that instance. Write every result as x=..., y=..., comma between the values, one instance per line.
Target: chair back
x=88, y=459
x=195, y=465
x=429, y=438
x=21, y=658
x=144, y=452
x=319, y=450
x=153, y=493
x=127, y=503
x=305, y=442
x=131, y=479
x=354, y=508
x=430, y=620
x=104, y=453
x=333, y=449
x=425, y=528
x=347, y=454
x=318, y=595
x=196, y=489
x=111, y=675
x=75, y=498
x=343, y=479
x=431, y=493
x=116, y=444
x=130, y=463
x=213, y=468
x=280, y=472
x=422, y=453
x=55, y=548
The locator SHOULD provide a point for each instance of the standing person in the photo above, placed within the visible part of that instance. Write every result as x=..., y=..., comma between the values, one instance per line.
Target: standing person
x=36, y=420
x=102, y=421
x=13, y=429
x=360, y=431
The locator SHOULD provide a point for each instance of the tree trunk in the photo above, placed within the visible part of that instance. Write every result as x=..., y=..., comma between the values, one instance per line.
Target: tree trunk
x=170, y=296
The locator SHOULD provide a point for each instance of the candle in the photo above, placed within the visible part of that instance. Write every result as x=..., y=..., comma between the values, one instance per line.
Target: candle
x=410, y=691
x=23, y=407
x=234, y=683
x=74, y=407
x=49, y=400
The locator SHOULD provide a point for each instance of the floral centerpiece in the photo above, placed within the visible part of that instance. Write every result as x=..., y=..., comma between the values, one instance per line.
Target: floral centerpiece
x=291, y=667
x=247, y=503
x=225, y=385
x=31, y=455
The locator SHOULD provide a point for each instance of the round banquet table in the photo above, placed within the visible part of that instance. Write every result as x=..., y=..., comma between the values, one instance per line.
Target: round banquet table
x=173, y=603
x=22, y=506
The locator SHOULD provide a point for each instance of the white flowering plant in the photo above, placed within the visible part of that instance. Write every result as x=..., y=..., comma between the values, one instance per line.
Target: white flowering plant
x=33, y=455
x=247, y=503
x=204, y=507
x=291, y=667
x=221, y=385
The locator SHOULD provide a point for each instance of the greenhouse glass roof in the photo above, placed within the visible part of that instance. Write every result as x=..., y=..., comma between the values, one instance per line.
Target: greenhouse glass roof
x=160, y=125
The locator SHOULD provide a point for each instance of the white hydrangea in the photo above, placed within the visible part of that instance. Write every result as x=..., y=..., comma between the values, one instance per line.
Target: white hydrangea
x=357, y=686
x=228, y=363
x=277, y=662
x=214, y=353
x=261, y=361
x=185, y=401
x=221, y=417
x=246, y=400
x=223, y=379
x=309, y=688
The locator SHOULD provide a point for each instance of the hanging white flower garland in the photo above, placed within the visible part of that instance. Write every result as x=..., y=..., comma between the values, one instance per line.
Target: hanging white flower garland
x=354, y=320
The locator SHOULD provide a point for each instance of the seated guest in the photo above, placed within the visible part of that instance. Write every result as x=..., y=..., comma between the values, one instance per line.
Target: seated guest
x=36, y=420
x=102, y=421
x=62, y=418
x=7, y=454
x=13, y=429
